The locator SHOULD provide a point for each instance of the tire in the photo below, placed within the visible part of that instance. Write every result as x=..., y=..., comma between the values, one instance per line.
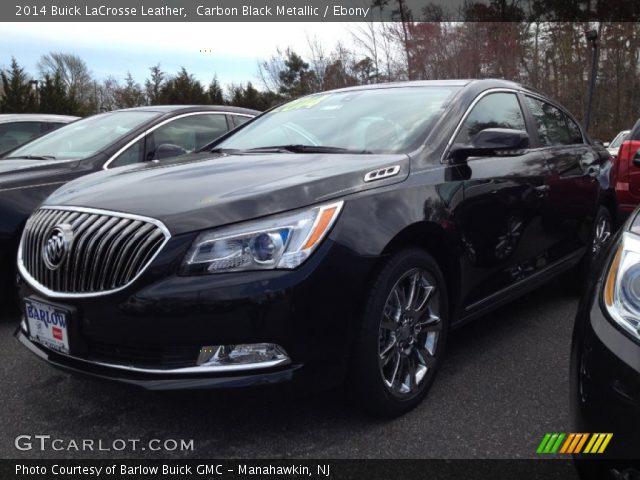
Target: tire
x=601, y=234
x=576, y=280
x=409, y=342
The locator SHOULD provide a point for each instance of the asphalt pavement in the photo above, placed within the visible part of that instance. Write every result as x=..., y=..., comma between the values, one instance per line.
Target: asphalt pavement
x=502, y=386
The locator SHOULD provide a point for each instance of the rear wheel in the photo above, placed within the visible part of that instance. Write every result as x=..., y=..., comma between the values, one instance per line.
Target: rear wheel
x=576, y=279
x=402, y=336
x=601, y=234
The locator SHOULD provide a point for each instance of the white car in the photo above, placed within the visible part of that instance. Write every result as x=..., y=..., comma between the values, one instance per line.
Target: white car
x=614, y=146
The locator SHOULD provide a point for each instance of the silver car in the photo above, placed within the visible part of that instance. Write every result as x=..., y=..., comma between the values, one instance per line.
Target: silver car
x=614, y=146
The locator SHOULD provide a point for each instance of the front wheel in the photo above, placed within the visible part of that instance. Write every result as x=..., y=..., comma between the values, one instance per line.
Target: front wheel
x=402, y=334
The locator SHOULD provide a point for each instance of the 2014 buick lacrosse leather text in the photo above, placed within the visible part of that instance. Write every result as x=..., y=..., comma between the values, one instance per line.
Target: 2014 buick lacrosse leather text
x=341, y=235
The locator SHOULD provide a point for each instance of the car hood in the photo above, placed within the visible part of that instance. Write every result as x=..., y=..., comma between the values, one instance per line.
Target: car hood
x=21, y=172
x=208, y=191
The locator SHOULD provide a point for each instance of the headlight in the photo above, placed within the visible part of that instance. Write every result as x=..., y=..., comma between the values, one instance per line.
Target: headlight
x=622, y=287
x=277, y=242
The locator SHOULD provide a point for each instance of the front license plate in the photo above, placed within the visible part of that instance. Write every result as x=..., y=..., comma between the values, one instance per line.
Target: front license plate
x=47, y=325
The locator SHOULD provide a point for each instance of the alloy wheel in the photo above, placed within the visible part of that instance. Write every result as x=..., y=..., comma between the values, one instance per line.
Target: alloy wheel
x=601, y=236
x=409, y=332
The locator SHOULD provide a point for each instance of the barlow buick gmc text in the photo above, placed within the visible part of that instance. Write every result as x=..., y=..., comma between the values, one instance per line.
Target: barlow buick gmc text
x=336, y=237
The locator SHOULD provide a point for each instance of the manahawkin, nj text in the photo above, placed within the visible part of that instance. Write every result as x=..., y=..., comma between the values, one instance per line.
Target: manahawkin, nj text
x=219, y=12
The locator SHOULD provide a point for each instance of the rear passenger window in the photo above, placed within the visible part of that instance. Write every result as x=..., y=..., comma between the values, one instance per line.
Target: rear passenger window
x=554, y=127
x=239, y=120
x=497, y=110
x=190, y=133
x=574, y=131
x=13, y=135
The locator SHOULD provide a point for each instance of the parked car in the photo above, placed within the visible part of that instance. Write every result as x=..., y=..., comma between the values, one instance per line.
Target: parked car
x=105, y=141
x=627, y=173
x=605, y=358
x=614, y=146
x=17, y=129
x=340, y=235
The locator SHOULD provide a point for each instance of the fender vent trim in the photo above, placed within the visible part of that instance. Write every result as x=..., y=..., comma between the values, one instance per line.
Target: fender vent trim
x=381, y=173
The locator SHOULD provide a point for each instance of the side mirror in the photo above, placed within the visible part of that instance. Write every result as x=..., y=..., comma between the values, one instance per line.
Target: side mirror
x=599, y=142
x=490, y=142
x=167, y=150
x=606, y=144
x=636, y=159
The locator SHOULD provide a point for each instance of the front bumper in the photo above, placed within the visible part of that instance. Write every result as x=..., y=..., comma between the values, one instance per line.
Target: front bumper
x=165, y=380
x=606, y=379
x=150, y=333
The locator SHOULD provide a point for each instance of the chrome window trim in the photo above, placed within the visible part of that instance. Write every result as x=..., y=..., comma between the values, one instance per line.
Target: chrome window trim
x=155, y=127
x=468, y=111
x=53, y=294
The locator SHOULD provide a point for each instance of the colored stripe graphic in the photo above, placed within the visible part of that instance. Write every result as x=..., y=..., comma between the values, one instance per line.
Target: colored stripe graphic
x=573, y=443
x=543, y=443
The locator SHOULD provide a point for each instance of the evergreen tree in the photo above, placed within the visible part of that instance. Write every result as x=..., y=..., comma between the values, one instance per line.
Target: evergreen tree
x=18, y=95
x=183, y=89
x=296, y=79
x=153, y=85
x=131, y=95
x=53, y=96
x=216, y=96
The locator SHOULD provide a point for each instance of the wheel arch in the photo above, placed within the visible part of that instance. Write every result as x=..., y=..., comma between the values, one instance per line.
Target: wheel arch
x=439, y=243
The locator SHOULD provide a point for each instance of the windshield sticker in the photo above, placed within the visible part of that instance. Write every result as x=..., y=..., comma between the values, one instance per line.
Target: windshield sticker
x=301, y=103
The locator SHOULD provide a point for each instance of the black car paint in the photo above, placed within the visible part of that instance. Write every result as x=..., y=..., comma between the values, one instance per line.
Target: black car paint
x=605, y=373
x=458, y=212
x=25, y=184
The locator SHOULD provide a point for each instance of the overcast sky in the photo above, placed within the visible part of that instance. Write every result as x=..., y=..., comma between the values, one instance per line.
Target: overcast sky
x=115, y=48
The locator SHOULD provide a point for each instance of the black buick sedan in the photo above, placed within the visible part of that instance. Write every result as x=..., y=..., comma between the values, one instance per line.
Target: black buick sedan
x=338, y=236
x=30, y=173
x=605, y=360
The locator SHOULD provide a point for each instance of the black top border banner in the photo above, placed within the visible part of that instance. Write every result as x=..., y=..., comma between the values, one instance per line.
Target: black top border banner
x=320, y=11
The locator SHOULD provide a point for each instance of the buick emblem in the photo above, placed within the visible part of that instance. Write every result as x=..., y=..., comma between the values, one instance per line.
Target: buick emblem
x=57, y=244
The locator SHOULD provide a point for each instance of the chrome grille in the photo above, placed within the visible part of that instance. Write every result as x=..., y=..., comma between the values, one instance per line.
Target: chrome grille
x=107, y=250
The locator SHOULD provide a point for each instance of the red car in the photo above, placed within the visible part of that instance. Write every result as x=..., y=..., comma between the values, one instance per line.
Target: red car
x=627, y=173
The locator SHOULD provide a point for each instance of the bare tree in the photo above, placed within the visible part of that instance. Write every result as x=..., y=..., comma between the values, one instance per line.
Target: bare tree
x=72, y=70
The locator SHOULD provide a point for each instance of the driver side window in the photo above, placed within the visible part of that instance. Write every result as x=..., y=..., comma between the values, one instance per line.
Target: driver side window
x=496, y=110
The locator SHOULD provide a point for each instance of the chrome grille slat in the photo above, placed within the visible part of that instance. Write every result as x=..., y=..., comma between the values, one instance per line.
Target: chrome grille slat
x=140, y=252
x=99, y=268
x=37, y=237
x=113, y=254
x=31, y=231
x=92, y=247
x=108, y=250
x=126, y=253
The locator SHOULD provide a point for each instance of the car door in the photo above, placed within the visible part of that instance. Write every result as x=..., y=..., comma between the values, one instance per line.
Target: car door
x=573, y=184
x=500, y=216
x=187, y=133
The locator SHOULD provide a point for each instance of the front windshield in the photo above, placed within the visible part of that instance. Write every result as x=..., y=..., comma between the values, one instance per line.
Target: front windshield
x=381, y=120
x=619, y=139
x=84, y=138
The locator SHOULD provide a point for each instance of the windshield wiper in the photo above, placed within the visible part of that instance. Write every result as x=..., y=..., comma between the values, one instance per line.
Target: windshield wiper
x=32, y=157
x=304, y=149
